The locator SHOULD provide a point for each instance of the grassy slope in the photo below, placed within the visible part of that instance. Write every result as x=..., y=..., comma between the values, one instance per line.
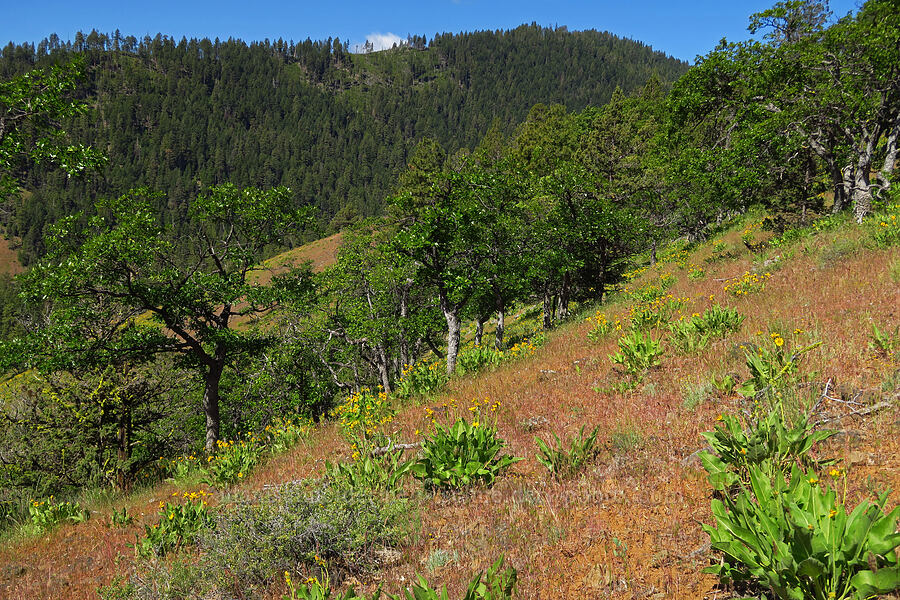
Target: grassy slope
x=9, y=260
x=646, y=490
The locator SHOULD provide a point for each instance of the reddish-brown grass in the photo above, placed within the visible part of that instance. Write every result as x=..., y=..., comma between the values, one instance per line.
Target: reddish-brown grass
x=630, y=527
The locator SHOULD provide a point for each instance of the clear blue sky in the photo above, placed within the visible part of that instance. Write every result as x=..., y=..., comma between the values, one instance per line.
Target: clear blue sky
x=682, y=28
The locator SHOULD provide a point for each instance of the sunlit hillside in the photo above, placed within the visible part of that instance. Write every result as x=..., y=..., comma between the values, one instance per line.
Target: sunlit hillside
x=628, y=525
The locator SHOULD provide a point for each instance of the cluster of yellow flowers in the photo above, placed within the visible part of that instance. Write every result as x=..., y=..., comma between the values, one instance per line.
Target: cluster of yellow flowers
x=525, y=348
x=364, y=412
x=476, y=404
x=677, y=256
x=632, y=275
x=657, y=311
x=479, y=407
x=431, y=364
x=695, y=272
x=598, y=319
x=747, y=283
x=200, y=495
x=749, y=229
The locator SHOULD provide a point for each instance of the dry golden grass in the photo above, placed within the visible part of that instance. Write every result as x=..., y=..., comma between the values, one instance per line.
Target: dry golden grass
x=630, y=527
x=321, y=253
x=9, y=260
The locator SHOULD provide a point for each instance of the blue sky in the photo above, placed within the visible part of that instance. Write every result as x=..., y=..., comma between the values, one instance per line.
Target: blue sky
x=681, y=28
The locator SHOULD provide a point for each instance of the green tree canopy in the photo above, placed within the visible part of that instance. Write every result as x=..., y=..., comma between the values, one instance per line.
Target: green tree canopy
x=192, y=292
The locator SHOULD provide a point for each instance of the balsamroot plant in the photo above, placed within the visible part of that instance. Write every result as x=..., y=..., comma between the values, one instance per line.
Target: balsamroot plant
x=795, y=539
x=780, y=527
x=771, y=368
x=562, y=462
x=233, y=461
x=637, y=353
x=461, y=455
x=47, y=514
x=766, y=440
x=382, y=473
x=179, y=525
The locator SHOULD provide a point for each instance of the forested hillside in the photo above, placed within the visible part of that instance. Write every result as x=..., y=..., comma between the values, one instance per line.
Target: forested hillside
x=335, y=127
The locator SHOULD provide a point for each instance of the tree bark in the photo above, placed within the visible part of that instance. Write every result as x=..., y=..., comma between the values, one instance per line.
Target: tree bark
x=548, y=307
x=211, y=400
x=383, y=371
x=498, y=333
x=453, y=327
x=564, y=296
x=451, y=315
x=479, y=329
x=890, y=157
x=842, y=187
x=862, y=194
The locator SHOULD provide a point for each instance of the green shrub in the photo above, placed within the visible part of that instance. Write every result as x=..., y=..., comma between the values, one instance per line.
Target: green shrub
x=797, y=540
x=313, y=589
x=233, y=461
x=477, y=358
x=361, y=417
x=47, y=514
x=162, y=580
x=461, y=455
x=301, y=523
x=686, y=336
x=423, y=378
x=648, y=315
x=747, y=283
x=382, y=473
x=781, y=529
x=283, y=434
x=726, y=384
x=885, y=226
x=696, y=394
x=439, y=557
x=179, y=525
x=495, y=584
x=562, y=462
x=789, y=236
x=719, y=321
x=120, y=518
x=690, y=335
x=652, y=291
x=882, y=343
x=118, y=589
x=637, y=353
x=181, y=469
